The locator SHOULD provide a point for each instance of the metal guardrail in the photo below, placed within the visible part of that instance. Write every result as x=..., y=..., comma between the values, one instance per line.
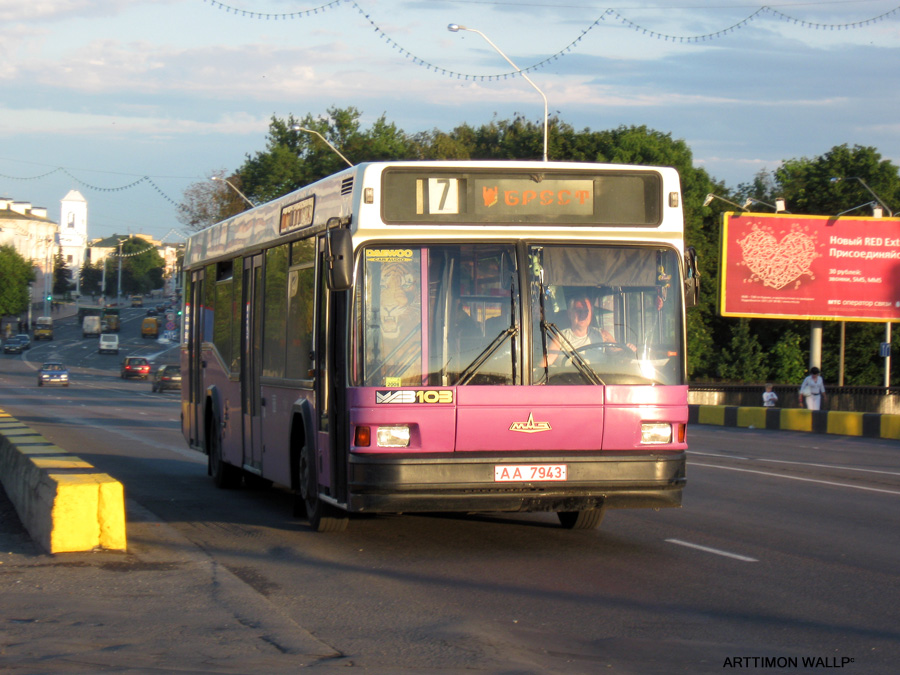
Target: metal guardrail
x=884, y=400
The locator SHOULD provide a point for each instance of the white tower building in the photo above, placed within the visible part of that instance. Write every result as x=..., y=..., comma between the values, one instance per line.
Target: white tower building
x=73, y=233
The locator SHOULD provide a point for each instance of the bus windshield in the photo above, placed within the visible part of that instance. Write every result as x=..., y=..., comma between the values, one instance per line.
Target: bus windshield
x=454, y=315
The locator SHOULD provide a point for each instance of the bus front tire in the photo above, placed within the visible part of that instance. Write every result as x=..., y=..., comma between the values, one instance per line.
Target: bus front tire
x=322, y=517
x=581, y=520
x=224, y=475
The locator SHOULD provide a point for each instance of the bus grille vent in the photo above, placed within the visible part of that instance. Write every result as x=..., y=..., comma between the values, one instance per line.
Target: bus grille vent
x=347, y=186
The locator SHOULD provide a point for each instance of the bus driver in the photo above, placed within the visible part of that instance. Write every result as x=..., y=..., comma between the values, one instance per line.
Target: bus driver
x=581, y=330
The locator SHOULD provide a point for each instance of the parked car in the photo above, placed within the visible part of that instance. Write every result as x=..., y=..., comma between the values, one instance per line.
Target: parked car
x=135, y=366
x=109, y=342
x=53, y=372
x=167, y=377
x=14, y=345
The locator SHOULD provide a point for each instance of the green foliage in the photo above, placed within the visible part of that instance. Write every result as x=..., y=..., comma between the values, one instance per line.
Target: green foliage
x=15, y=275
x=789, y=359
x=91, y=278
x=744, y=360
x=62, y=275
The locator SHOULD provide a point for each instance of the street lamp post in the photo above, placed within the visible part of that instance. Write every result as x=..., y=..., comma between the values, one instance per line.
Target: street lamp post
x=455, y=28
x=228, y=183
x=863, y=183
x=777, y=207
x=711, y=196
x=119, y=288
x=48, y=274
x=297, y=127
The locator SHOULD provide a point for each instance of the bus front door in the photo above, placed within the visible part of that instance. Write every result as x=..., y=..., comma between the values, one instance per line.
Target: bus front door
x=251, y=361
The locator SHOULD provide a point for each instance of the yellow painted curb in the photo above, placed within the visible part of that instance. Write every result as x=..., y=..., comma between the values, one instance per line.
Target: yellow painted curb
x=751, y=417
x=890, y=426
x=63, y=502
x=711, y=414
x=796, y=419
x=845, y=423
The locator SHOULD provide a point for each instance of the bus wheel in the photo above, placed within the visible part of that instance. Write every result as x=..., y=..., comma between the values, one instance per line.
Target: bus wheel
x=581, y=520
x=224, y=475
x=322, y=517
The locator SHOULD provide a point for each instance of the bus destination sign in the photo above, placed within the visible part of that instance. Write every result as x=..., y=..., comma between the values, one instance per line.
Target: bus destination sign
x=297, y=215
x=549, y=197
x=545, y=198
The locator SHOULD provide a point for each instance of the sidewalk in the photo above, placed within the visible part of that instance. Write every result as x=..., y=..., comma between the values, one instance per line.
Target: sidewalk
x=164, y=606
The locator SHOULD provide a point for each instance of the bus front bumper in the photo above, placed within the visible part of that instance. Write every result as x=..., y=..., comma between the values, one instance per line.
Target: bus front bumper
x=429, y=483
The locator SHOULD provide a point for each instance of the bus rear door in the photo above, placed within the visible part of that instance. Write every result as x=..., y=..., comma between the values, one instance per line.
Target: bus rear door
x=251, y=361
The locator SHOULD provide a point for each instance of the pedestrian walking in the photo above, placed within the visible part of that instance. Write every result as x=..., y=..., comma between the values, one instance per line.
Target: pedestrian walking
x=812, y=390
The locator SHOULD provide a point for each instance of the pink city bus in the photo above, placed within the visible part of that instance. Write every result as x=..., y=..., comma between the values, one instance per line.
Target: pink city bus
x=446, y=337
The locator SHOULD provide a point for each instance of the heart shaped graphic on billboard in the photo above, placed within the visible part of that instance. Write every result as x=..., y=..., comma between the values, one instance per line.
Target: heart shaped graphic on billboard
x=778, y=262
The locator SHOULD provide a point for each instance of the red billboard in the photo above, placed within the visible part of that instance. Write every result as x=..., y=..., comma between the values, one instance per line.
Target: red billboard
x=785, y=266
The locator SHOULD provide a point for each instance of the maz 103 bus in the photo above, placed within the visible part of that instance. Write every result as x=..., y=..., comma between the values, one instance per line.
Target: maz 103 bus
x=446, y=337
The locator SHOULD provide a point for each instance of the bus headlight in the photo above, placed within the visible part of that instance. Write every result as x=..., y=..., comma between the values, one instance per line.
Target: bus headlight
x=396, y=436
x=656, y=433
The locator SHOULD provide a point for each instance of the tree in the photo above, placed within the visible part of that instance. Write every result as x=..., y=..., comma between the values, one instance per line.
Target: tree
x=15, y=275
x=789, y=360
x=62, y=275
x=809, y=185
x=744, y=359
x=139, y=260
x=91, y=277
x=207, y=202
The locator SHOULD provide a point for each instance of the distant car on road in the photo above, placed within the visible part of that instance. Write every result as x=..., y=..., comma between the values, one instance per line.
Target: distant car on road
x=26, y=340
x=14, y=345
x=135, y=366
x=167, y=377
x=109, y=342
x=53, y=372
x=150, y=327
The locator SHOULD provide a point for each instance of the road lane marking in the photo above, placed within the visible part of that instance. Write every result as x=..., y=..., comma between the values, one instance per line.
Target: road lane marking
x=839, y=467
x=805, y=480
x=715, y=551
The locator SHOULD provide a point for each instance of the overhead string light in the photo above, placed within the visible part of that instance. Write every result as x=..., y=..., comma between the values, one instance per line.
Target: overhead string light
x=228, y=9
x=446, y=72
x=97, y=188
x=612, y=13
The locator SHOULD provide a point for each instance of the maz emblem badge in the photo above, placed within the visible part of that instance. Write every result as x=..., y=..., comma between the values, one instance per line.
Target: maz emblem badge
x=530, y=427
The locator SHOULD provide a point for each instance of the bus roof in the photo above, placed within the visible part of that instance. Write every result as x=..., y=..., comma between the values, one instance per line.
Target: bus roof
x=356, y=196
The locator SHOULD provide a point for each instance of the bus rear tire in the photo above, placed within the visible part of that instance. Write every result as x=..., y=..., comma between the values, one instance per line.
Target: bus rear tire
x=581, y=520
x=224, y=475
x=322, y=517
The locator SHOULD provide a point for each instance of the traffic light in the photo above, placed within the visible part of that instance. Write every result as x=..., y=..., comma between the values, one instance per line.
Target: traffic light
x=49, y=298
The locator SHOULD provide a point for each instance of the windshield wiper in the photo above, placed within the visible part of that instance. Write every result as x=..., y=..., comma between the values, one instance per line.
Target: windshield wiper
x=586, y=371
x=466, y=375
x=509, y=333
x=577, y=359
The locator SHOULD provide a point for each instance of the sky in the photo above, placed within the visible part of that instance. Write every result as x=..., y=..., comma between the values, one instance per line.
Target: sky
x=132, y=101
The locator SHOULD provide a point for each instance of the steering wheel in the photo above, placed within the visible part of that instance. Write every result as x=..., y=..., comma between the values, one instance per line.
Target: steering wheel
x=613, y=348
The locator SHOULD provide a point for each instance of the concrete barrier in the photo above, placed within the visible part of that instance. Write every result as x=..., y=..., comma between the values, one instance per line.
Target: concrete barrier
x=869, y=425
x=63, y=502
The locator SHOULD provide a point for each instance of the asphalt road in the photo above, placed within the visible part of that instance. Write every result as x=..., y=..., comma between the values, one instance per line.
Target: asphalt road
x=783, y=559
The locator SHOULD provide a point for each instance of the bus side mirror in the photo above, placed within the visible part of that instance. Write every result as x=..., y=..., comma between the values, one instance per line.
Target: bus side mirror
x=339, y=259
x=691, y=278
